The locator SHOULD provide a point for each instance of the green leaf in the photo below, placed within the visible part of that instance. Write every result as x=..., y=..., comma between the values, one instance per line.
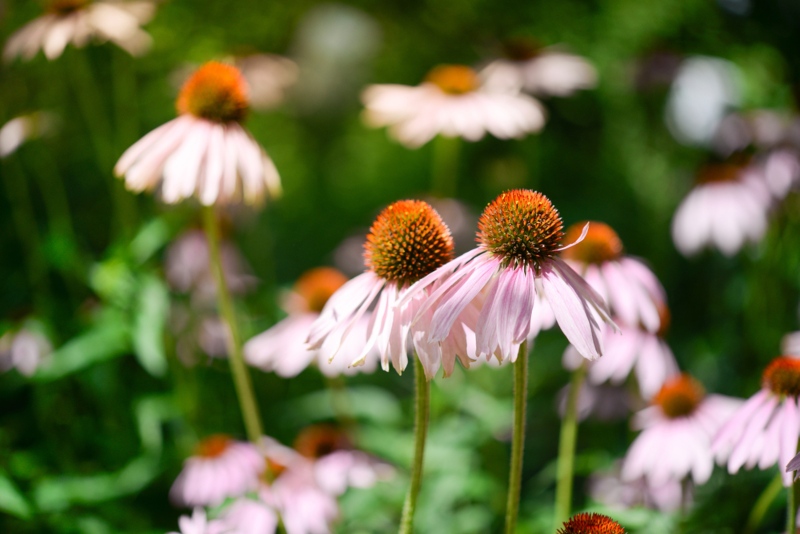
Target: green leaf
x=59, y=493
x=152, y=236
x=107, y=339
x=11, y=500
x=152, y=307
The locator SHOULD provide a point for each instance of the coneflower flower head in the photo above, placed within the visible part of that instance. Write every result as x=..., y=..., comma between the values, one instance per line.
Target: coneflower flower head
x=452, y=101
x=600, y=244
x=516, y=261
x=677, y=430
x=765, y=430
x=407, y=241
x=205, y=152
x=282, y=348
x=591, y=523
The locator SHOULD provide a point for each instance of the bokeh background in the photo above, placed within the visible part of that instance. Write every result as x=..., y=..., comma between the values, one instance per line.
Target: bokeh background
x=91, y=443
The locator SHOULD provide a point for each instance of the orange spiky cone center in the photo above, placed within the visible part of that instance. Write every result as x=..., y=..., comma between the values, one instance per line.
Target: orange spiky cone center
x=407, y=241
x=317, y=285
x=213, y=446
x=679, y=396
x=591, y=524
x=320, y=440
x=216, y=92
x=600, y=245
x=522, y=227
x=454, y=79
x=782, y=376
x=727, y=171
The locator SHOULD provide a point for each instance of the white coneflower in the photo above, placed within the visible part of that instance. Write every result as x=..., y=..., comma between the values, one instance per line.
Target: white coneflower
x=78, y=22
x=451, y=102
x=205, y=153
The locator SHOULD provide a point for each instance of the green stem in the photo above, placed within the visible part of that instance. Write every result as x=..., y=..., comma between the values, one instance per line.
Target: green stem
x=566, y=448
x=444, y=181
x=763, y=503
x=89, y=99
x=422, y=399
x=241, y=377
x=791, y=512
x=518, y=439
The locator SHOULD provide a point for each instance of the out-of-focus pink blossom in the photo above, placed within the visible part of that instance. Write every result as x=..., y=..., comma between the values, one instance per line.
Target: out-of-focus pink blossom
x=78, y=22
x=451, y=102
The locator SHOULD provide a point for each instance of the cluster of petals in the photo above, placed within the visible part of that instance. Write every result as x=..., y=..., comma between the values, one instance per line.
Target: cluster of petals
x=635, y=350
x=507, y=297
x=674, y=448
x=207, y=480
x=186, y=266
x=610, y=489
x=391, y=329
x=549, y=72
x=219, y=163
x=417, y=114
x=107, y=20
x=723, y=214
x=762, y=433
x=24, y=350
x=198, y=523
x=282, y=349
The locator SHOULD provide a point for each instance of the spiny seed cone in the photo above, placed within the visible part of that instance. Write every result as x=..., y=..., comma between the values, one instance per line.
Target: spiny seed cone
x=453, y=79
x=591, y=524
x=680, y=396
x=65, y=7
x=217, y=92
x=522, y=227
x=600, y=245
x=407, y=241
x=782, y=376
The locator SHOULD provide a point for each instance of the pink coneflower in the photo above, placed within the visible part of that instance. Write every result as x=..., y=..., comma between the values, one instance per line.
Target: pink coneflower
x=79, y=21
x=338, y=466
x=677, y=429
x=407, y=241
x=633, y=293
x=591, y=523
x=608, y=488
x=727, y=208
x=306, y=487
x=453, y=103
x=645, y=354
x=186, y=267
x=282, y=349
x=764, y=431
x=517, y=258
x=540, y=71
x=250, y=516
x=220, y=468
x=198, y=523
x=205, y=152
x=24, y=350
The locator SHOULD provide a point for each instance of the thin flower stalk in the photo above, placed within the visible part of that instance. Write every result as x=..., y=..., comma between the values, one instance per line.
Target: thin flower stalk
x=518, y=439
x=566, y=448
x=241, y=376
x=422, y=398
